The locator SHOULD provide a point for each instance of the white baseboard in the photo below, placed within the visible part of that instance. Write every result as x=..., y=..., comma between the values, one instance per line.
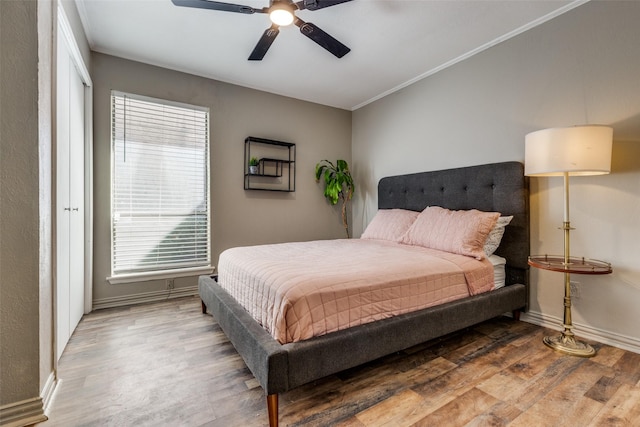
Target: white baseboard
x=23, y=413
x=144, y=297
x=584, y=331
x=49, y=390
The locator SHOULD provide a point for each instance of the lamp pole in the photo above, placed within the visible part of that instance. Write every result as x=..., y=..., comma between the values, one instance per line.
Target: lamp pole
x=566, y=342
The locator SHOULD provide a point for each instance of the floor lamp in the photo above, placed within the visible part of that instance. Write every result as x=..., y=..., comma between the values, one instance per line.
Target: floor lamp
x=569, y=151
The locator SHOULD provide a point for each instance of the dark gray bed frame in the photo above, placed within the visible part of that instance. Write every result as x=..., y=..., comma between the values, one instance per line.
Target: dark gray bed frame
x=500, y=187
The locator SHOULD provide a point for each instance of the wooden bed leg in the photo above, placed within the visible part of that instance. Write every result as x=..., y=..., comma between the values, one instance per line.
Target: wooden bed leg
x=516, y=314
x=272, y=409
x=204, y=307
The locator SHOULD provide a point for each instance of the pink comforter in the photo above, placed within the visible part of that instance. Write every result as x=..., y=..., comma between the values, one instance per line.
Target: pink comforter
x=305, y=289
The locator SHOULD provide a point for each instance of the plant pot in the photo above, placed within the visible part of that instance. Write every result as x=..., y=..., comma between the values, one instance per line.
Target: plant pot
x=253, y=170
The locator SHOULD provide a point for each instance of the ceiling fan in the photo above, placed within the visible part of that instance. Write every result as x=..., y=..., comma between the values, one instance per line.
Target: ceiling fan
x=281, y=13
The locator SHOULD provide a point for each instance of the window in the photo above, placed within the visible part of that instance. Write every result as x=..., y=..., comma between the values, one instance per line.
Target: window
x=160, y=188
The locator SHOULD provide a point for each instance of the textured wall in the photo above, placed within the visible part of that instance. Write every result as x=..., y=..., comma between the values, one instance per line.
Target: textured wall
x=19, y=195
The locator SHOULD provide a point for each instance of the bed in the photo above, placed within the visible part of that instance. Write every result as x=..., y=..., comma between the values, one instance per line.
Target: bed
x=497, y=187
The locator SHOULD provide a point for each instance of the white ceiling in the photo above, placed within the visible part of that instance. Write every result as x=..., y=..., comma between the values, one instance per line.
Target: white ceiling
x=393, y=42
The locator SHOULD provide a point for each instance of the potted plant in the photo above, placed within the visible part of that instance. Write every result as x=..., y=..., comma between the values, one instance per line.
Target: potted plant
x=253, y=165
x=338, y=185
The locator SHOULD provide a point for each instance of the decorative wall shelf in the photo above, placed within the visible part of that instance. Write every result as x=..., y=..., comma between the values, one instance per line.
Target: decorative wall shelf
x=276, y=165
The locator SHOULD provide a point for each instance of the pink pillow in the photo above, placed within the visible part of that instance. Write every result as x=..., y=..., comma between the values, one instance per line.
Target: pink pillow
x=460, y=232
x=390, y=224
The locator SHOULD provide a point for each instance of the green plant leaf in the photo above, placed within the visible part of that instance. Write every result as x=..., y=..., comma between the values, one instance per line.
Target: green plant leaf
x=338, y=183
x=319, y=169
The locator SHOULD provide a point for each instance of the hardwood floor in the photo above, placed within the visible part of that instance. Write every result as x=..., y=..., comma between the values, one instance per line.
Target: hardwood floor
x=166, y=364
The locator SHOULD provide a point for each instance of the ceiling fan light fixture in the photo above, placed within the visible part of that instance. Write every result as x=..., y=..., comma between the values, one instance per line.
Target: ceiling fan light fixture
x=281, y=15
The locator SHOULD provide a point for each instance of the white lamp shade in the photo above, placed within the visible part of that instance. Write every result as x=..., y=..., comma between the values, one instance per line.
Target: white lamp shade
x=577, y=150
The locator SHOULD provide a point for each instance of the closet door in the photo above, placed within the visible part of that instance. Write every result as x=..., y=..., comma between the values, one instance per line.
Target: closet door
x=76, y=198
x=63, y=205
x=69, y=197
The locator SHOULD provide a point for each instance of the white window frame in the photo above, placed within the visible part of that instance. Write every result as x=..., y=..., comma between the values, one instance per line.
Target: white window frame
x=160, y=273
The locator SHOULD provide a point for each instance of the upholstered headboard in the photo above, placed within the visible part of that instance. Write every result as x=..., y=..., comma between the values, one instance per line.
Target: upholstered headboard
x=497, y=187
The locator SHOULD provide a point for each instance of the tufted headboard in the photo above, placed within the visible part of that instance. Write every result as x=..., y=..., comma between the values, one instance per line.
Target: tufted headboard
x=496, y=187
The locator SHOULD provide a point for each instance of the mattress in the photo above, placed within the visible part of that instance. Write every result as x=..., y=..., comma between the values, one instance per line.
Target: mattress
x=499, y=273
x=304, y=289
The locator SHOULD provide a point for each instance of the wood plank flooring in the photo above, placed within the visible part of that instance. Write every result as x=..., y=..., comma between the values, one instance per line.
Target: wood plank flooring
x=166, y=364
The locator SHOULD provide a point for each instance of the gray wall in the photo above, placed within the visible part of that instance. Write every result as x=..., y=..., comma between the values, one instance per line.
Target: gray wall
x=20, y=203
x=581, y=67
x=239, y=217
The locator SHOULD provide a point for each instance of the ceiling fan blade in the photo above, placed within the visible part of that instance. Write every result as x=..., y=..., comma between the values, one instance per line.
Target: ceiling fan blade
x=318, y=4
x=323, y=39
x=217, y=5
x=264, y=43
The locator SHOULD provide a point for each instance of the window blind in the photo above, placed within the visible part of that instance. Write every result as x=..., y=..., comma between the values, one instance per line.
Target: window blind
x=160, y=185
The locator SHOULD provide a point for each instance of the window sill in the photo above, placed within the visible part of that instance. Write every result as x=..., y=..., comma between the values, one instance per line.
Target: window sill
x=159, y=275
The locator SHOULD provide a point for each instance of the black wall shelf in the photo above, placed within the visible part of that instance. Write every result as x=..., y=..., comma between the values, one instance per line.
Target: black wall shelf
x=276, y=170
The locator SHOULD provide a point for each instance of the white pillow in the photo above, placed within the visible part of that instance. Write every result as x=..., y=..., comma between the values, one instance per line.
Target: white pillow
x=495, y=236
x=390, y=224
